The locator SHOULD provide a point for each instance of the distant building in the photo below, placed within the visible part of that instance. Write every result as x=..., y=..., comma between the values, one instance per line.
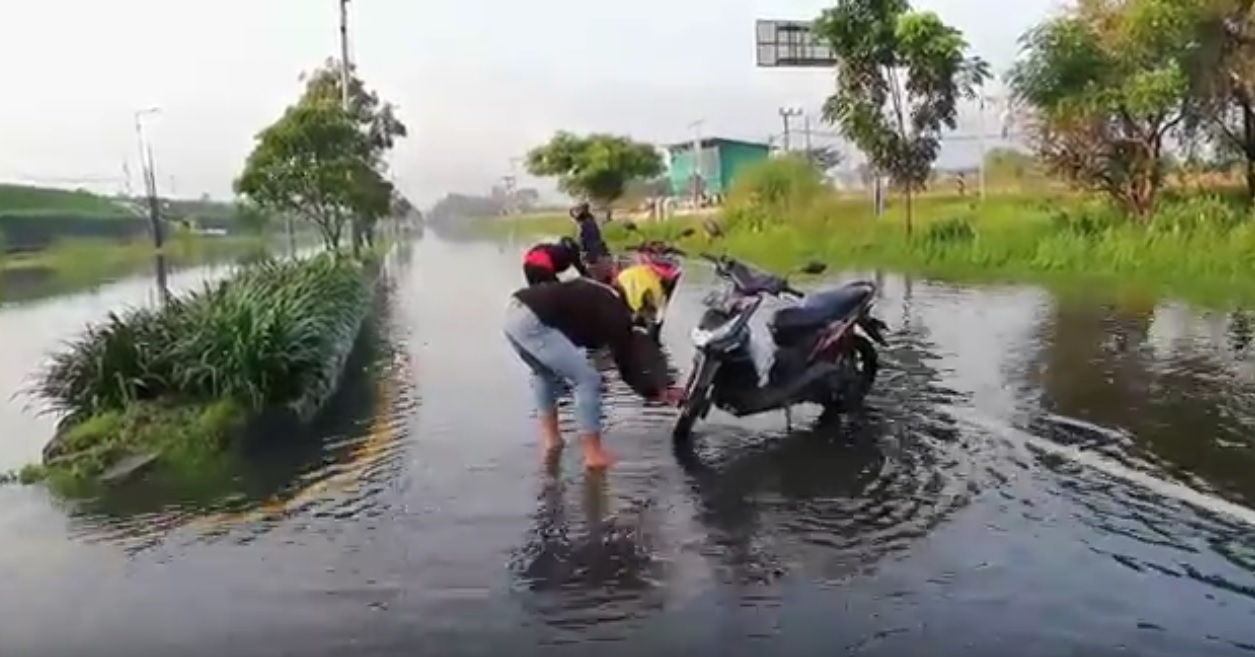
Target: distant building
x=722, y=160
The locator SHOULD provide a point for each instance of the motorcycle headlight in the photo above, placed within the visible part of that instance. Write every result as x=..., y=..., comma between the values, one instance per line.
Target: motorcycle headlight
x=702, y=337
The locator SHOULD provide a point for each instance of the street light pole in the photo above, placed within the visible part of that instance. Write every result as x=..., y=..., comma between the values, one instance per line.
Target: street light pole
x=154, y=207
x=345, y=67
x=787, y=113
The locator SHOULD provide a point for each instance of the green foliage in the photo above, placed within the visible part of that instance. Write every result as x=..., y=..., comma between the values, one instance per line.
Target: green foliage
x=1103, y=85
x=325, y=163
x=183, y=437
x=261, y=338
x=597, y=167
x=773, y=190
x=900, y=75
x=252, y=219
x=375, y=118
x=23, y=199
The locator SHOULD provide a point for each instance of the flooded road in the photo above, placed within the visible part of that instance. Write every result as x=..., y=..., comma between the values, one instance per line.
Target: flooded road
x=1034, y=476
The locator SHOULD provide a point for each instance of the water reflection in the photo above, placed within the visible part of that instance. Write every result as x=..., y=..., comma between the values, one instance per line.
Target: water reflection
x=598, y=551
x=1181, y=404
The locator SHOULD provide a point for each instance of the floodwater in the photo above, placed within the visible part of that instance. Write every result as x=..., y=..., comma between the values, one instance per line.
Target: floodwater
x=1034, y=476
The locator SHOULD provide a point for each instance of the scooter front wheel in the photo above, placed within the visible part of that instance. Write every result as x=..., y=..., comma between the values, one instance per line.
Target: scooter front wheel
x=696, y=398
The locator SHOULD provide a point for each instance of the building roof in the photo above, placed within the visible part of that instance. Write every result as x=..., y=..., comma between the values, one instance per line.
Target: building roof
x=711, y=141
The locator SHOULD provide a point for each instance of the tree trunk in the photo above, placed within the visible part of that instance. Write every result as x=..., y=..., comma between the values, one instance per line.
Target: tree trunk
x=1248, y=148
x=910, y=212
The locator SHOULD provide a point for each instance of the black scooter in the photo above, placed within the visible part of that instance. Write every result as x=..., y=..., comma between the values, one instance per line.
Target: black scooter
x=824, y=353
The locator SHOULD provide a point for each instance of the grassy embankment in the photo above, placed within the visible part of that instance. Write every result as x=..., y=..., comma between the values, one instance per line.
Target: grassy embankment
x=1199, y=244
x=80, y=238
x=169, y=388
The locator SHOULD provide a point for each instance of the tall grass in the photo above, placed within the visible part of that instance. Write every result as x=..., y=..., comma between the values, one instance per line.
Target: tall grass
x=265, y=337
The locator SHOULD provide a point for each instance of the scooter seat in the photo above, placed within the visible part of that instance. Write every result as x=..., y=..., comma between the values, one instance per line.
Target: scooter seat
x=822, y=307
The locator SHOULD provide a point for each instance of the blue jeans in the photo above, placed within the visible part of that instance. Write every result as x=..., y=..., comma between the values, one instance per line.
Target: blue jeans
x=553, y=359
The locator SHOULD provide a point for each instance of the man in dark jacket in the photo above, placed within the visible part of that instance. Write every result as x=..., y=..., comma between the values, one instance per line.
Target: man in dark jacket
x=591, y=242
x=542, y=263
x=549, y=325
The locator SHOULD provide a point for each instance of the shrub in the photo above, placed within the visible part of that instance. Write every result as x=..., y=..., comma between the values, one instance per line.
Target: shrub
x=261, y=338
x=772, y=191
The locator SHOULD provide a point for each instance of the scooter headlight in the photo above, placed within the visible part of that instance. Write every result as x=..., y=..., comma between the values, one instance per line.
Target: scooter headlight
x=702, y=337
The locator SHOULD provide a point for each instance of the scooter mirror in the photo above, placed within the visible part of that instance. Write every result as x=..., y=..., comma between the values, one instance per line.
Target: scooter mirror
x=688, y=232
x=814, y=267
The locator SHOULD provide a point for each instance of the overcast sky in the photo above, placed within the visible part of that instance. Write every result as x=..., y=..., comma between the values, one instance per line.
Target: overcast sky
x=478, y=81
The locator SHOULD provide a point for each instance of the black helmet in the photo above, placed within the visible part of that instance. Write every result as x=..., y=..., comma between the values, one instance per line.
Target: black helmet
x=569, y=245
x=580, y=210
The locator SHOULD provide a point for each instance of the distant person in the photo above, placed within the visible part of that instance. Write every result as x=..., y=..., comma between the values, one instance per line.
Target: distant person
x=590, y=240
x=542, y=263
x=549, y=325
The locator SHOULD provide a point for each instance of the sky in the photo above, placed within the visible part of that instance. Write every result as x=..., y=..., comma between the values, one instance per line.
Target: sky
x=477, y=81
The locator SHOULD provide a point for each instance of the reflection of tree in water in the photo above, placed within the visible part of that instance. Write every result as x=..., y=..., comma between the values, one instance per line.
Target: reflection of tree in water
x=584, y=570
x=1091, y=367
x=1185, y=410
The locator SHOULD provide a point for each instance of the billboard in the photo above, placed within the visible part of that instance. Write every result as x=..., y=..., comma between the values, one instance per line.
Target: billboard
x=789, y=44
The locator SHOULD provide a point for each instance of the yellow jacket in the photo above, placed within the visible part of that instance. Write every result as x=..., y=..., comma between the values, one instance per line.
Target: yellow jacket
x=642, y=288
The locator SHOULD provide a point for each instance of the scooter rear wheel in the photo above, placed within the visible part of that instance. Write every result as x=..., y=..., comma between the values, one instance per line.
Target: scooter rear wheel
x=849, y=393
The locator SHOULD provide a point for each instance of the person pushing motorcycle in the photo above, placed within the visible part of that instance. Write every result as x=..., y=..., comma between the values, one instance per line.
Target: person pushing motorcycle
x=549, y=325
x=644, y=294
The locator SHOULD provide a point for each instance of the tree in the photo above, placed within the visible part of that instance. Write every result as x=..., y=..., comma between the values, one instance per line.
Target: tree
x=376, y=119
x=251, y=219
x=307, y=163
x=597, y=167
x=1221, y=72
x=900, y=75
x=1100, y=87
x=324, y=162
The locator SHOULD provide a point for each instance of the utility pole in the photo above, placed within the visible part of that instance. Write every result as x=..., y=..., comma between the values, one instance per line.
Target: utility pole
x=806, y=125
x=699, y=174
x=787, y=113
x=345, y=66
x=980, y=128
x=154, y=204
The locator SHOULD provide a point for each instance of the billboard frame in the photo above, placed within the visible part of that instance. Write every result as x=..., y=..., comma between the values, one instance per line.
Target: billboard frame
x=789, y=44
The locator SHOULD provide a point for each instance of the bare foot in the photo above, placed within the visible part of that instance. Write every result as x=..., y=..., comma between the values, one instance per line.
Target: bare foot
x=596, y=458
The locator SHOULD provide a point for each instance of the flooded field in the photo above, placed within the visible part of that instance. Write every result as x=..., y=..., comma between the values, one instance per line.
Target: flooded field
x=1034, y=476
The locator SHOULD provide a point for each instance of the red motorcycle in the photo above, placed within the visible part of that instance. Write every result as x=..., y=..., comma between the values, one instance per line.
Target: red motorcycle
x=660, y=256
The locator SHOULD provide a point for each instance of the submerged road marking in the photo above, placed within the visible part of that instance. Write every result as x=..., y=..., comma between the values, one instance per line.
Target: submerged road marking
x=1172, y=489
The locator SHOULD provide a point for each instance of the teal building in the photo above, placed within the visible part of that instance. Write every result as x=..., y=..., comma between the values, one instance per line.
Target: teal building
x=721, y=161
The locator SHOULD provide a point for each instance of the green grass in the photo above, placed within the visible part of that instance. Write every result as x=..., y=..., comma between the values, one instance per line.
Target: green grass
x=188, y=439
x=273, y=336
x=1199, y=246
x=26, y=199
x=77, y=263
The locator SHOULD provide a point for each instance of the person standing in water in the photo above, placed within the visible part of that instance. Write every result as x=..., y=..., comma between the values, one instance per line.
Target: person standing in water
x=549, y=325
x=596, y=253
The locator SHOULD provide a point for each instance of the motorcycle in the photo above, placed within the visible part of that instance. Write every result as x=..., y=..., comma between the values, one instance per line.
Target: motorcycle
x=664, y=259
x=823, y=346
